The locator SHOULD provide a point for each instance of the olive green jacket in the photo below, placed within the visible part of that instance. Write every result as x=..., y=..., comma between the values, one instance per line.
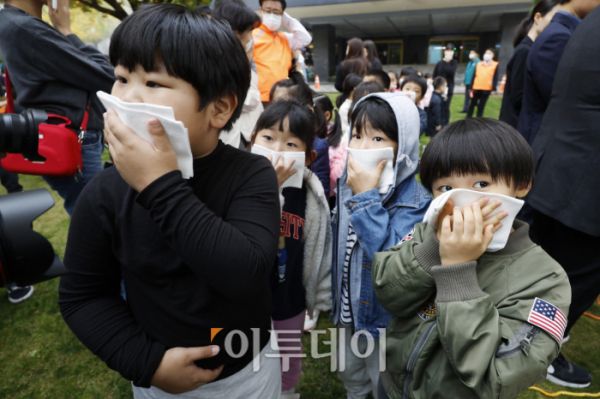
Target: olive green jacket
x=462, y=331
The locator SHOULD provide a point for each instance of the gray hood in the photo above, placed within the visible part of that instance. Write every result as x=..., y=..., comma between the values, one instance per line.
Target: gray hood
x=409, y=124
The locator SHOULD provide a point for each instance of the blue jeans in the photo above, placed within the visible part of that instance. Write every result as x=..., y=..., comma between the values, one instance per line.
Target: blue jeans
x=70, y=187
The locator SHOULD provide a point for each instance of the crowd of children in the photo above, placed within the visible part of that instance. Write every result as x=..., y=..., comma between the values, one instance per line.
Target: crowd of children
x=322, y=212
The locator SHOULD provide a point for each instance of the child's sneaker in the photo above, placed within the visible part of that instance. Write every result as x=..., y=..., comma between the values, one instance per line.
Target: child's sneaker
x=310, y=323
x=18, y=294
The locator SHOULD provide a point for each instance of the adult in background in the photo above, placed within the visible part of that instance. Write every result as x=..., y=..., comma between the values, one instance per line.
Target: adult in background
x=484, y=83
x=446, y=68
x=58, y=73
x=469, y=76
x=565, y=194
x=273, y=49
x=242, y=20
x=527, y=33
x=371, y=55
x=355, y=62
x=543, y=60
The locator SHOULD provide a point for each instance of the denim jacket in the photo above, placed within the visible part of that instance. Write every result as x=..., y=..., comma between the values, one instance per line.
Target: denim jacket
x=380, y=221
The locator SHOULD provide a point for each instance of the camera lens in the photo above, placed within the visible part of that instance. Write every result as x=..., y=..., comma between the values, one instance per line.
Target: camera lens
x=19, y=133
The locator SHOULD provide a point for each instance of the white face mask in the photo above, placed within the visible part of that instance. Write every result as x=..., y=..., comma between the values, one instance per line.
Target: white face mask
x=472, y=56
x=449, y=54
x=488, y=57
x=272, y=21
x=299, y=160
x=410, y=94
x=249, y=46
x=462, y=197
x=369, y=159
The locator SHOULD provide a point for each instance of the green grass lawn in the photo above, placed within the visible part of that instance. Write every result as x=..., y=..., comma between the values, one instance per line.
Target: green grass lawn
x=41, y=358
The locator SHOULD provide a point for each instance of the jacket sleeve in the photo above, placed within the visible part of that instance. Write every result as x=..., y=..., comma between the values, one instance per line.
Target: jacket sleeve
x=73, y=63
x=339, y=79
x=243, y=244
x=472, y=328
x=402, y=277
x=299, y=37
x=517, y=78
x=321, y=165
x=544, y=63
x=423, y=117
x=90, y=300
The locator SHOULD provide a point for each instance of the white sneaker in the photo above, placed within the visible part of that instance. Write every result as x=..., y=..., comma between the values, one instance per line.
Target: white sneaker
x=310, y=323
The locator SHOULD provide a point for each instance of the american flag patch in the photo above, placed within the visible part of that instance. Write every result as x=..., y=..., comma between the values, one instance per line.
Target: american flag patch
x=548, y=317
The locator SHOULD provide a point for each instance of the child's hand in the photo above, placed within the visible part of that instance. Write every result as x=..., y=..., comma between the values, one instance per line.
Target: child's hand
x=283, y=172
x=359, y=180
x=465, y=236
x=438, y=128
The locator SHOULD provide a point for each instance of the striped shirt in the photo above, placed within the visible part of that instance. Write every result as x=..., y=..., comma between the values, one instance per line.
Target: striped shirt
x=346, y=313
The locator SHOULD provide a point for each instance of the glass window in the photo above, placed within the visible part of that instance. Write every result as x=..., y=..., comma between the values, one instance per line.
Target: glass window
x=468, y=45
x=436, y=51
x=395, y=57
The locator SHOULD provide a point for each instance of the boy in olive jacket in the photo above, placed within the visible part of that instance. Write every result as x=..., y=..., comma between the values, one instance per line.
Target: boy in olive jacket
x=466, y=322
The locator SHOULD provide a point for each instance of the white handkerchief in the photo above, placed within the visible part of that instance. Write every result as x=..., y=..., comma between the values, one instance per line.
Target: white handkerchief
x=299, y=157
x=462, y=197
x=369, y=159
x=136, y=116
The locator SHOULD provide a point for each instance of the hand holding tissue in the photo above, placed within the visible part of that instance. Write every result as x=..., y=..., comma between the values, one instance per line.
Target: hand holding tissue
x=136, y=116
x=369, y=160
x=299, y=159
x=462, y=197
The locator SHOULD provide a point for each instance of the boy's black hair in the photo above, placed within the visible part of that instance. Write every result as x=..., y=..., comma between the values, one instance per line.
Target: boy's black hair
x=414, y=78
x=478, y=145
x=323, y=103
x=492, y=50
x=300, y=118
x=239, y=15
x=283, y=3
x=202, y=51
x=296, y=88
x=382, y=77
x=427, y=76
x=377, y=113
x=439, y=82
x=350, y=82
x=406, y=71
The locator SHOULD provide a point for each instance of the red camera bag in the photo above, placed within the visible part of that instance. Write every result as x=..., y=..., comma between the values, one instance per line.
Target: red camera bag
x=58, y=144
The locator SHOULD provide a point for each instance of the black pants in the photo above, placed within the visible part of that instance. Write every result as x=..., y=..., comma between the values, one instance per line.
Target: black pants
x=480, y=96
x=467, y=97
x=578, y=253
x=447, y=109
x=10, y=181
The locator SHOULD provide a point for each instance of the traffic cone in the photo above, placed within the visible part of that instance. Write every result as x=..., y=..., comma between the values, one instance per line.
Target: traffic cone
x=317, y=83
x=502, y=85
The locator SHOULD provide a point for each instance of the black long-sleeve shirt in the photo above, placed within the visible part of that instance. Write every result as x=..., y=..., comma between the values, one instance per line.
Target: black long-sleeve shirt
x=512, y=101
x=447, y=70
x=194, y=255
x=52, y=72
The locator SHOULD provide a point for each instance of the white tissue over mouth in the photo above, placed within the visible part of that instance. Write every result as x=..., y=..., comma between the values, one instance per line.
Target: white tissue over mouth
x=369, y=159
x=299, y=157
x=136, y=116
x=462, y=197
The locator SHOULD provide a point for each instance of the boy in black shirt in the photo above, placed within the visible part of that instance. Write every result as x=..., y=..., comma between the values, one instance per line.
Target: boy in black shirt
x=195, y=255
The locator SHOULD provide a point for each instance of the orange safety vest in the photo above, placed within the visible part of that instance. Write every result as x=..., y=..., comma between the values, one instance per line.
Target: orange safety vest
x=484, y=76
x=273, y=58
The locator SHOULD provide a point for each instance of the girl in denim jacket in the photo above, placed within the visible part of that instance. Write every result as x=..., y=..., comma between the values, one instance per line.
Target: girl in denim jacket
x=370, y=217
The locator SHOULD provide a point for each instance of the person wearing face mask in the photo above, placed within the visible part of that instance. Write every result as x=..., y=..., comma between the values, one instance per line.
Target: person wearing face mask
x=543, y=60
x=242, y=20
x=468, y=80
x=273, y=49
x=527, y=33
x=446, y=68
x=484, y=84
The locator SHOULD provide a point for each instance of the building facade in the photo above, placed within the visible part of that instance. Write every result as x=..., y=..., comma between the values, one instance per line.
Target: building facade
x=408, y=32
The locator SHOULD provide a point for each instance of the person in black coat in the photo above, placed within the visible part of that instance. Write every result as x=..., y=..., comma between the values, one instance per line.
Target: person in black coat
x=541, y=65
x=446, y=69
x=355, y=62
x=435, y=111
x=565, y=194
x=372, y=56
x=528, y=31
